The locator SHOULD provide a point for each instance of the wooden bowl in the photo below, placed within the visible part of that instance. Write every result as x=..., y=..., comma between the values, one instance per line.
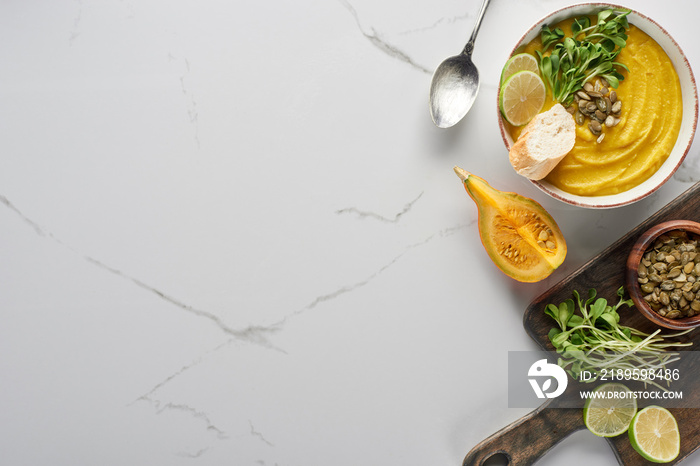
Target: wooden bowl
x=645, y=241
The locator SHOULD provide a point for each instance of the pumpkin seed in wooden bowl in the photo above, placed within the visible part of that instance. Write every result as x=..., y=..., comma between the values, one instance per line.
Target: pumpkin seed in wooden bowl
x=663, y=274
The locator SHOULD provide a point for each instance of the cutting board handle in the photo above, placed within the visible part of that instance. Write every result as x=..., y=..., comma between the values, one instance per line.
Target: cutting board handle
x=529, y=438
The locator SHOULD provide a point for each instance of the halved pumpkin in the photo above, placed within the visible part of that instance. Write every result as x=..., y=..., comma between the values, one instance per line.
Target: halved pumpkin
x=521, y=238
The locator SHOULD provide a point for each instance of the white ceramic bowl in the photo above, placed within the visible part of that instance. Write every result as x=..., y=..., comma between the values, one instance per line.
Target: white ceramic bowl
x=690, y=107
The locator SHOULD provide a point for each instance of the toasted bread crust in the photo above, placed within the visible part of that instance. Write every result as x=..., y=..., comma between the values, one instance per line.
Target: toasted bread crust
x=543, y=143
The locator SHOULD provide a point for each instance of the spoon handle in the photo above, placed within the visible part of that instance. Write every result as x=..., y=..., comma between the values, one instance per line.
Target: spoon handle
x=470, y=45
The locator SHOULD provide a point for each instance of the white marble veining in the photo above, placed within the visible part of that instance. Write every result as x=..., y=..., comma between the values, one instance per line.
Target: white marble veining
x=232, y=235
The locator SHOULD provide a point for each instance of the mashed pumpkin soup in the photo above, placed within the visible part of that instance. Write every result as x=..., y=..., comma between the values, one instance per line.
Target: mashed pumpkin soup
x=638, y=144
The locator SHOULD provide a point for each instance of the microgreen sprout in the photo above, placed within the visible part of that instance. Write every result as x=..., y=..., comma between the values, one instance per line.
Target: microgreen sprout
x=589, y=52
x=594, y=340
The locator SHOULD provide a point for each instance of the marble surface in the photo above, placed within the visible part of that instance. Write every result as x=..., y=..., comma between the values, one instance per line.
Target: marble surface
x=232, y=235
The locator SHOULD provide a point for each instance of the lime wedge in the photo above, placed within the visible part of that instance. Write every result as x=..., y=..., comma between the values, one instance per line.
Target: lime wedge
x=519, y=62
x=522, y=97
x=654, y=434
x=610, y=412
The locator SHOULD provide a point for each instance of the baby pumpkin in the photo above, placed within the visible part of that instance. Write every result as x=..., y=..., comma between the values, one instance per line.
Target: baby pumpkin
x=521, y=238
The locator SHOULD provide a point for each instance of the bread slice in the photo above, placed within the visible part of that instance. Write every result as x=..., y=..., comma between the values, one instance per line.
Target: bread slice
x=545, y=140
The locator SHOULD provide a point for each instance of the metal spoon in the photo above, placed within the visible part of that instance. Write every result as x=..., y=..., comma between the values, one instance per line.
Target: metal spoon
x=455, y=83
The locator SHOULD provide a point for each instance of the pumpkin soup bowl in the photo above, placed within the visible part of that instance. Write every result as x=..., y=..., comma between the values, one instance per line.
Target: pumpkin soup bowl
x=688, y=102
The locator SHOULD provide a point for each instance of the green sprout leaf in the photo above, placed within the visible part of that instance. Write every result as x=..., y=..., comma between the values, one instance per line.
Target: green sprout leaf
x=589, y=52
x=593, y=338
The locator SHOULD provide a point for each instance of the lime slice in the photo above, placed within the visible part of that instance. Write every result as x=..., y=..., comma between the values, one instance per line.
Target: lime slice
x=519, y=62
x=610, y=412
x=654, y=434
x=522, y=97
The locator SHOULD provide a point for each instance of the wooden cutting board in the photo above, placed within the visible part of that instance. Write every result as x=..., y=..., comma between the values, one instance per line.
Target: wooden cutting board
x=527, y=439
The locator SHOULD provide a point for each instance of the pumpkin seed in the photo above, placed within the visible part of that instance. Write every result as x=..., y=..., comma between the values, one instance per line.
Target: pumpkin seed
x=602, y=105
x=598, y=103
x=661, y=267
x=617, y=107
x=642, y=271
x=667, y=285
x=669, y=275
x=688, y=267
x=648, y=287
